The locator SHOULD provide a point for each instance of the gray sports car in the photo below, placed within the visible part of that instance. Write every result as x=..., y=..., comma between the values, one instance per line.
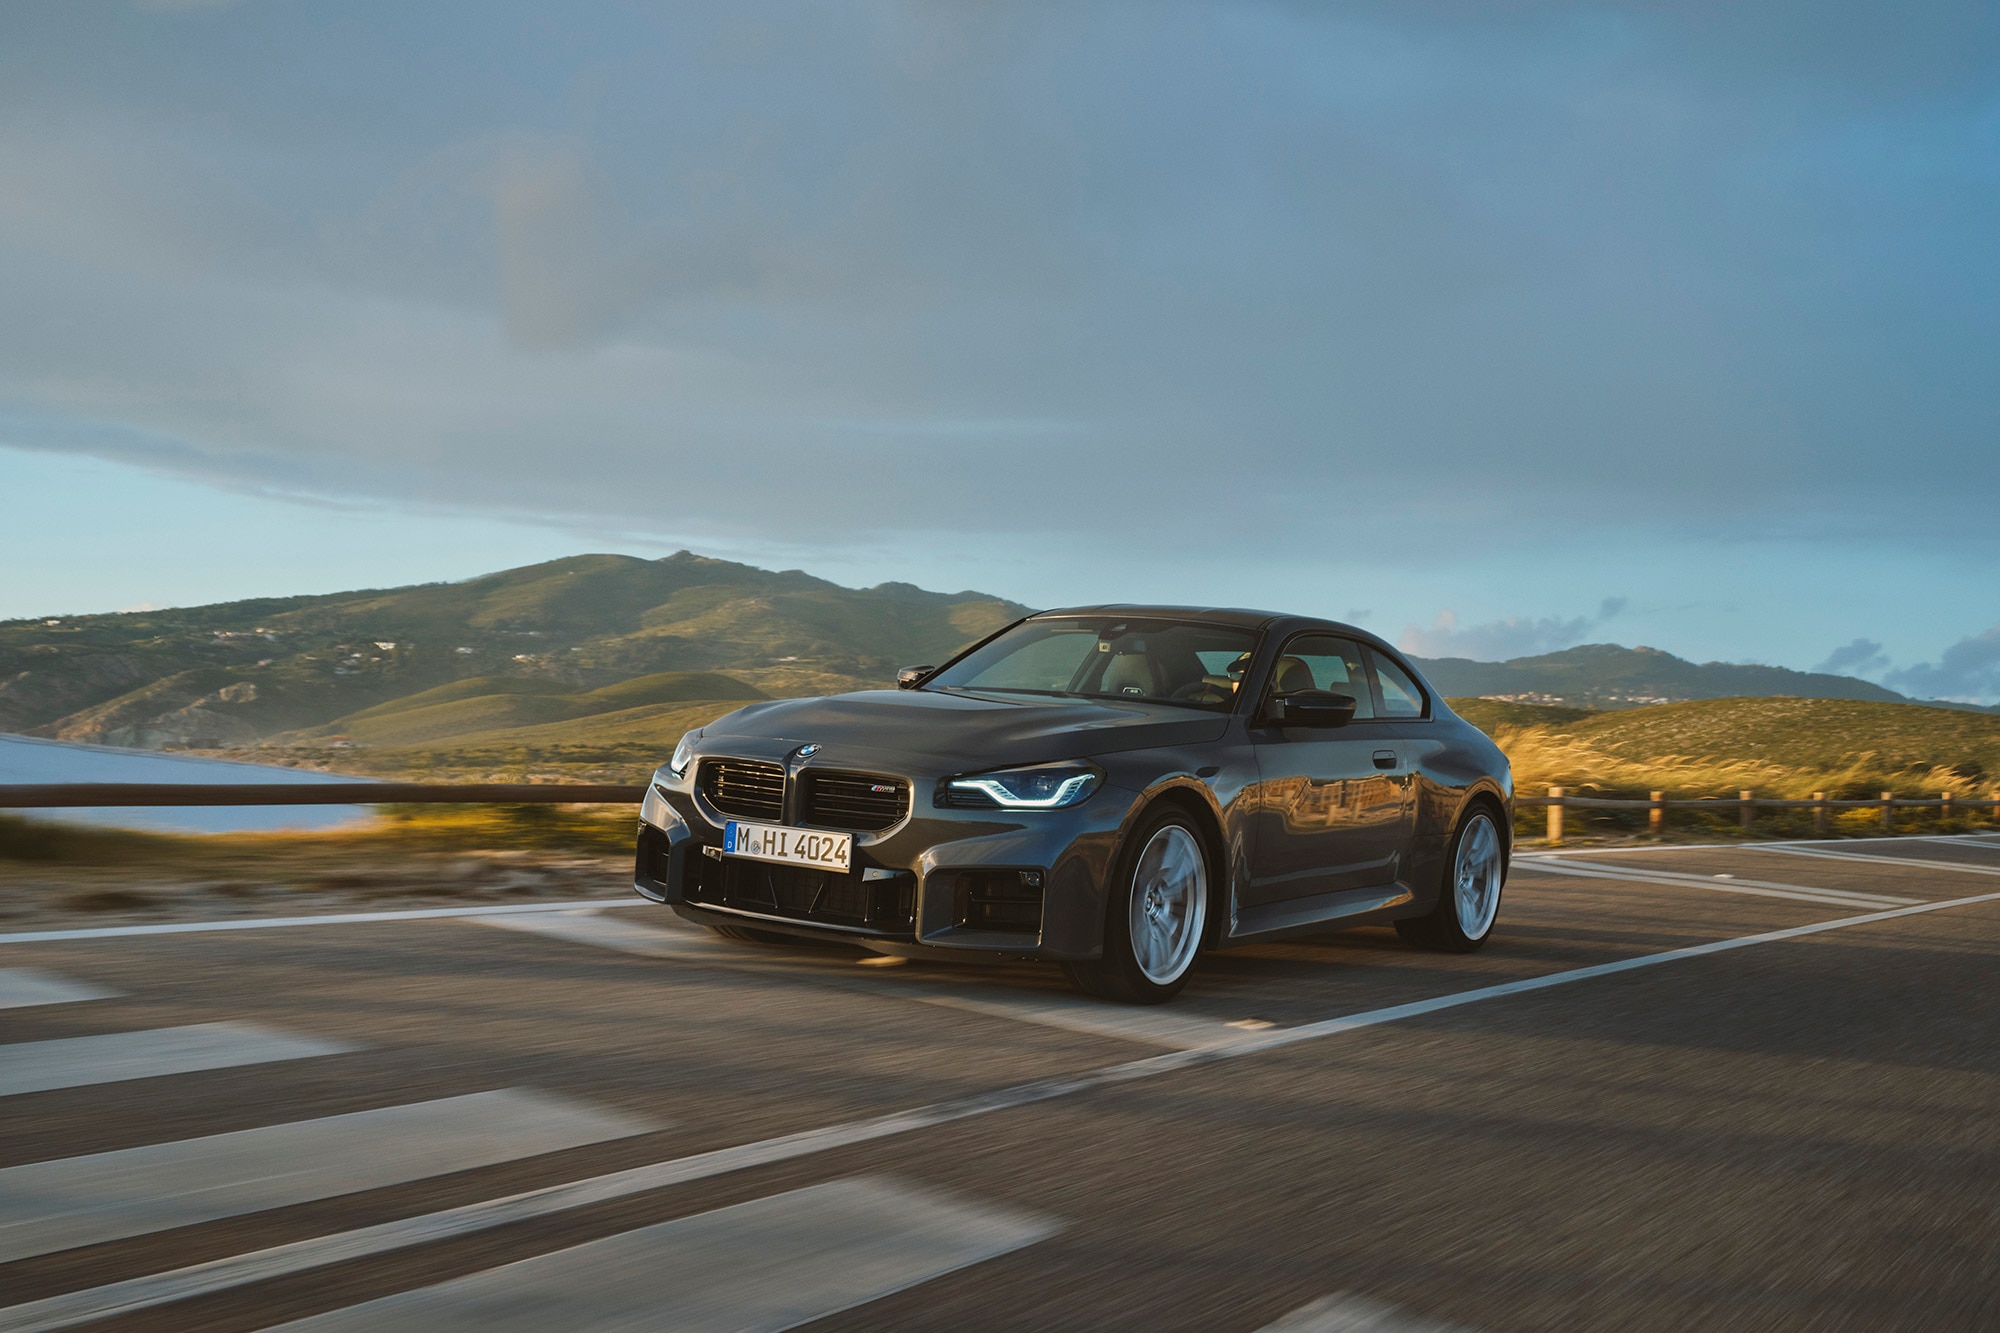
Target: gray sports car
x=1114, y=788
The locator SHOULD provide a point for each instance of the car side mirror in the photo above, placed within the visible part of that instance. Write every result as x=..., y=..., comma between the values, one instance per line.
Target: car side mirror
x=908, y=678
x=1312, y=708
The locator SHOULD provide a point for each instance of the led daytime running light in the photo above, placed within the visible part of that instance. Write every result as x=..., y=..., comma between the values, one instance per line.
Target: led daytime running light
x=1070, y=789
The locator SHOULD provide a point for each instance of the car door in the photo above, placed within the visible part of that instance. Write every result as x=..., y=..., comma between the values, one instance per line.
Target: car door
x=1332, y=808
x=1403, y=717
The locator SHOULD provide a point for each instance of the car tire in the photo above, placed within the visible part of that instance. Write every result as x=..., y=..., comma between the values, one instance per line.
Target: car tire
x=1468, y=905
x=1156, y=915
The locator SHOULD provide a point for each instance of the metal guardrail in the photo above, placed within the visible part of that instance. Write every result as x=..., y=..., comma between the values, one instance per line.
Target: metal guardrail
x=57, y=795
x=1747, y=804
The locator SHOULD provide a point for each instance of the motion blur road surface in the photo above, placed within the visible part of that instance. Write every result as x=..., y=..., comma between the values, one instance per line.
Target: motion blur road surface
x=600, y=1118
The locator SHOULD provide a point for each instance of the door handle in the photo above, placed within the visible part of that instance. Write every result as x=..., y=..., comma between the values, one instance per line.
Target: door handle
x=1385, y=759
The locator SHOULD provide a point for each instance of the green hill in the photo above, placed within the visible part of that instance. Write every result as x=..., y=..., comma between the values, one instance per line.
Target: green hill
x=471, y=710
x=555, y=643
x=1605, y=675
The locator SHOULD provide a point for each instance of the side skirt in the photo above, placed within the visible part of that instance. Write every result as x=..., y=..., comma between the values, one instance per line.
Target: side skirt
x=1299, y=916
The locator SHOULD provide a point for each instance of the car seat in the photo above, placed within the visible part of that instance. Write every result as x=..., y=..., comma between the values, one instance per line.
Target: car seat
x=1292, y=676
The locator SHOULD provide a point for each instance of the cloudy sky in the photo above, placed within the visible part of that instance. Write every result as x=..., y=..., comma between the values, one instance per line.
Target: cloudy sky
x=1495, y=327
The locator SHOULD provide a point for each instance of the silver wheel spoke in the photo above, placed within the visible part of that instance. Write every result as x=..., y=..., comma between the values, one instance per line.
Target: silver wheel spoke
x=1169, y=903
x=1476, y=877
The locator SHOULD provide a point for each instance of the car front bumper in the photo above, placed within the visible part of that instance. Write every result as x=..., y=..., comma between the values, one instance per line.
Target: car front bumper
x=942, y=879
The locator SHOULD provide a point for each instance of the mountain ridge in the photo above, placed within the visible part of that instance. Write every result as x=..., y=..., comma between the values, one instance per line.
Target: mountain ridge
x=1609, y=675
x=264, y=670
x=554, y=643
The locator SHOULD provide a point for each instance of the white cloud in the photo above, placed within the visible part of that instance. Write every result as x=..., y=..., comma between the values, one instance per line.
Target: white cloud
x=1498, y=640
x=1861, y=657
x=1493, y=640
x=1968, y=671
x=1141, y=283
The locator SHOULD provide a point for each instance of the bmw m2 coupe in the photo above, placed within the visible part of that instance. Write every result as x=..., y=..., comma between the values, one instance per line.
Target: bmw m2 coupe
x=1113, y=788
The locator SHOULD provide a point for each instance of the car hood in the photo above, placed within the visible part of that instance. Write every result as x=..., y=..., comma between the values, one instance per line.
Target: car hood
x=955, y=732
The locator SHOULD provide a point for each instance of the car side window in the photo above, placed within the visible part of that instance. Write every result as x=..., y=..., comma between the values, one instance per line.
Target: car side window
x=1325, y=662
x=1401, y=696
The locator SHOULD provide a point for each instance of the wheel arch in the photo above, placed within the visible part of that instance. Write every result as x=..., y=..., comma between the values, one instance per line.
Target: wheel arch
x=1195, y=800
x=1488, y=796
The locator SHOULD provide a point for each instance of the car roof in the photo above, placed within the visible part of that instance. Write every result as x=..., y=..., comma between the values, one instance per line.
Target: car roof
x=1240, y=617
x=1220, y=615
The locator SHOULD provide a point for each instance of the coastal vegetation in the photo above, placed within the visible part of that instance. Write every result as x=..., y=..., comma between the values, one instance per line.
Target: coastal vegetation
x=1779, y=748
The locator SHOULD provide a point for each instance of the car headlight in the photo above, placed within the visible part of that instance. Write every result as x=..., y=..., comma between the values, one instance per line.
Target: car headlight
x=683, y=754
x=1043, y=787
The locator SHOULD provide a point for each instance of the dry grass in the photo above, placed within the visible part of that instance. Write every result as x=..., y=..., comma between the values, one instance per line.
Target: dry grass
x=1543, y=757
x=1778, y=748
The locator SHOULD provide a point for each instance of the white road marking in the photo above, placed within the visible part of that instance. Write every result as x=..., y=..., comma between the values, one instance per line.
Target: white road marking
x=1155, y=1026
x=772, y=1263
x=77, y=1062
x=1755, y=887
x=72, y=1201
x=1150, y=1026
x=1970, y=839
x=179, y=1284
x=1973, y=838
x=1990, y=841
x=1345, y=1312
x=610, y=932
x=329, y=919
x=23, y=987
x=1866, y=858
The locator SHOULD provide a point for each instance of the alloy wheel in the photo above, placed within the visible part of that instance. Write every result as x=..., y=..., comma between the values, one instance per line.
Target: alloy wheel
x=1475, y=877
x=1169, y=904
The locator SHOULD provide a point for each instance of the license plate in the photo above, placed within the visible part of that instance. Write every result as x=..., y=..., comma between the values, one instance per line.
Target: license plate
x=788, y=846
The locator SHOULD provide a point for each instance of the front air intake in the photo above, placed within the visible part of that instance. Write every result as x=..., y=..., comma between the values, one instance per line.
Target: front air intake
x=747, y=787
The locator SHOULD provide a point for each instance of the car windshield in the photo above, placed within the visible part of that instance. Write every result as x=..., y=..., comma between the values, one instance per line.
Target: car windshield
x=1185, y=663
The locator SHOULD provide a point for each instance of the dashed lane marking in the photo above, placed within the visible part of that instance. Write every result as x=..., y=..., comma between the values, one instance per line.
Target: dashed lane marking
x=773, y=1263
x=1156, y=1026
x=587, y=926
x=77, y=1062
x=1754, y=887
x=23, y=987
x=72, y=1201
x=77, y=1307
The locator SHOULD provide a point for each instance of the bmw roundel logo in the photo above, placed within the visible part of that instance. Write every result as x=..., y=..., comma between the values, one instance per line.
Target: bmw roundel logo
x=805, y=752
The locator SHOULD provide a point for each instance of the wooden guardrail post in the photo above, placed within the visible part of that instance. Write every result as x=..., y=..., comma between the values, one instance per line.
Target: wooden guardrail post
x=1746, y=808
x=1944, y=808
x=1555, y=815
x=1821, y=819
x=1888, y=811
x=1656, y=818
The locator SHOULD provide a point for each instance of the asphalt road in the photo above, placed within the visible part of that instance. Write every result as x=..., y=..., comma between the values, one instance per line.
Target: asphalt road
x=1746, y=1087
